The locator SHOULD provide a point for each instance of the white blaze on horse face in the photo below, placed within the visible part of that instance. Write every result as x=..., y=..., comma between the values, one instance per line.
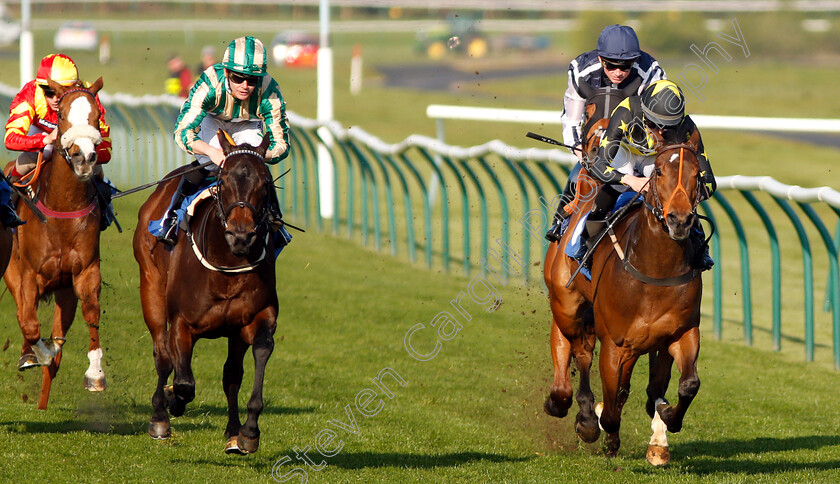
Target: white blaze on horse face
x=674, y=157
x=658, y=427
x=79, y=114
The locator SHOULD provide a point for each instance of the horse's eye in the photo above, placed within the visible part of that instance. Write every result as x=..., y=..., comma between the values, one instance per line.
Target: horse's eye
x=658, y=172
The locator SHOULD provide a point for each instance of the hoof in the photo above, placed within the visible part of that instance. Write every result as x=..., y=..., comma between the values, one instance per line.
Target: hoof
x=587, y=434
x=27, y=361
x=232, y=447
x=657, y=455
x=552, y=408
x=247, y=445
x=159, y=430
x=95, y=384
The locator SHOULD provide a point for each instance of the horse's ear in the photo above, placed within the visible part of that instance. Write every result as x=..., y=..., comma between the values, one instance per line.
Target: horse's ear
x=58, y=88
x=96, y=86
x=263, y=147
x=225, y=141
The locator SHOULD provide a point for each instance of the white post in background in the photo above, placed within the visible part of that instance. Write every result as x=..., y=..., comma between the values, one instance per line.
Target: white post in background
x=26, y=43
x=356, y=70
x=326, y=171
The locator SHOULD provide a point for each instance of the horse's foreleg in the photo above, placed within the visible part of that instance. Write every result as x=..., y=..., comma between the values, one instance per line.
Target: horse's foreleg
x=87, y=285
x=660, y=377
x=25, y=292
x=616, y=367
x=181, y=343
x=65, y=311
x=262, y=347
x=231, y=383
x=685, y=352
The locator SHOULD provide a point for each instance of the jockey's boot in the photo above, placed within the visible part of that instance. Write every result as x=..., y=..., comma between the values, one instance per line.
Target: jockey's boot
x=105, y=189
x=275, y=215
x=697, y=238
x=169, y=231
x=561, y=216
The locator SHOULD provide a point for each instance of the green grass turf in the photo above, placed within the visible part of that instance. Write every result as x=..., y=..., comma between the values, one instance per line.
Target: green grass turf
x=472, y=413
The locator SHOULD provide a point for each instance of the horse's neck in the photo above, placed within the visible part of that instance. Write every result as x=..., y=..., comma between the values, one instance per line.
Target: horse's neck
x=651, y=247
x=61, y=189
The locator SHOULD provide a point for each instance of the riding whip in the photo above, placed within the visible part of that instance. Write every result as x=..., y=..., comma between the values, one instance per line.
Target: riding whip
x=551, y=141
x=166, y=178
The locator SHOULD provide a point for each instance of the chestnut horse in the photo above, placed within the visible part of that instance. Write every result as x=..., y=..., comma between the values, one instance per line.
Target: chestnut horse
x=61, y=257
x=218, y=280
x=6, y=241
x=643, y=298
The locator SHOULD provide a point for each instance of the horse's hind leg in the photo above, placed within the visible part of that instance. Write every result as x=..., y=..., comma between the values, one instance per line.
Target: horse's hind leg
x=560, y=396
x=87, y=285
x=231, y=383
x=586, y=422
x=65, y=311
x=685, y=352
x=262, y=346
x=181, y=343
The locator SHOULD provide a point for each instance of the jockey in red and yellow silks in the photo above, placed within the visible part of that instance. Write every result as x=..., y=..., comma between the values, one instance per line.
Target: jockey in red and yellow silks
x=33, y=117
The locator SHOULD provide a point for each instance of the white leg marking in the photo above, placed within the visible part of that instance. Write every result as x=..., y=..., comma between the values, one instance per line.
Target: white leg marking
x=94, y=371
x=599, y=408
x=659, y=436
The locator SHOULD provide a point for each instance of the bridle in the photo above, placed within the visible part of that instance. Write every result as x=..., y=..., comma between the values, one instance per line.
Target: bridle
x=660, y=210
x=261, y=216
x=65, y=151
x=222, y=212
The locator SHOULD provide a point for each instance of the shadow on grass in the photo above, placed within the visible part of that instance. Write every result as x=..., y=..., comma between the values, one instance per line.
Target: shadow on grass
x=721, y=456
x=135, y=421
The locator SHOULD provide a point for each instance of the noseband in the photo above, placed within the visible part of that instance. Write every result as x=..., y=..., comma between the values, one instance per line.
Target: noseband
x=660, y=211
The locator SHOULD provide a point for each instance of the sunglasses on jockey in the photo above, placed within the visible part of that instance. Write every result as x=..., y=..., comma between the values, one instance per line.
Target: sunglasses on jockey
x=239, y=79
x=623, y=65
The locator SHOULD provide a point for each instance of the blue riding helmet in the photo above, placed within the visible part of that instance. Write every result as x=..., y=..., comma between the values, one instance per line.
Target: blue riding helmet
x=618, y=42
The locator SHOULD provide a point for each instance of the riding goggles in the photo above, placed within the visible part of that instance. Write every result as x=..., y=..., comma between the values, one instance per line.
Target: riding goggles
x=48, y=92
x=239, y=79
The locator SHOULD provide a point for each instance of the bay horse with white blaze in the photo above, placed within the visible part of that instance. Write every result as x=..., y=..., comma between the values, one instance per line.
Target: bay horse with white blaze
x=643, y=298
x=217, y=281
x=61, y=257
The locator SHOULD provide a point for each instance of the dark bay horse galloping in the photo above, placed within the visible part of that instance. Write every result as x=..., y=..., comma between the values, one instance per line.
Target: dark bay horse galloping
x=61, y=257
x=643, y=298
x=217, y=281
